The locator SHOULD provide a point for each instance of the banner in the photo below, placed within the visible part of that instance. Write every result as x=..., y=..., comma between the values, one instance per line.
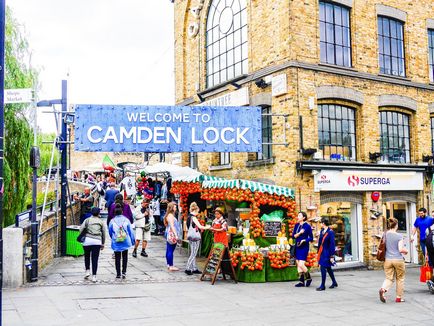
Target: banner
x=111, y=128
x=352, y=180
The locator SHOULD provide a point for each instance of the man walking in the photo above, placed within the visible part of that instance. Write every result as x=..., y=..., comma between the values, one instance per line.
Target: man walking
x=110, y=195
x=86, y=201
x=423, y=222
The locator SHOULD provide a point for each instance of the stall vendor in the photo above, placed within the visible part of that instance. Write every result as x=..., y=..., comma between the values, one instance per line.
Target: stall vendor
x=303, y=236
x=219, y=227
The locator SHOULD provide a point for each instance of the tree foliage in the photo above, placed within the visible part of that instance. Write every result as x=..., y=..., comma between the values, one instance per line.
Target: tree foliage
x=18, y=134
x=46, y=150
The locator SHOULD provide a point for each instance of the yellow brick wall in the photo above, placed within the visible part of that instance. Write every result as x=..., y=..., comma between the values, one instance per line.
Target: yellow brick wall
x=288, y=31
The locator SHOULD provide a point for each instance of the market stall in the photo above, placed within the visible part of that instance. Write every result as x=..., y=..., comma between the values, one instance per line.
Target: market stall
x=261, y=218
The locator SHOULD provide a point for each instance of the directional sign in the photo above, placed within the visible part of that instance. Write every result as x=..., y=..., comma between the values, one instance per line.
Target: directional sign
x=119, y=128
x=21, y=95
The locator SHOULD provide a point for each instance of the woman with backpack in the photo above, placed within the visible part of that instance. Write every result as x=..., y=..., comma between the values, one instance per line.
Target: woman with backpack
x=122, y=235
x=194, y=228
x=172, y=234
x=93, y=242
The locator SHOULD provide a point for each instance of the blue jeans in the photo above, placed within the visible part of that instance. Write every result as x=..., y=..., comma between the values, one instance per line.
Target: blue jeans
x=170, y=248
x=423, y=247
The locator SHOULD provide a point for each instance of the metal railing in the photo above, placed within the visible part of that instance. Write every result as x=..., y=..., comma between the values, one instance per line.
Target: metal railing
x=26, y=215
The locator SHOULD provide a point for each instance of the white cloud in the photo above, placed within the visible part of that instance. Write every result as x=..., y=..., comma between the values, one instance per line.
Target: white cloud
x=115, y=52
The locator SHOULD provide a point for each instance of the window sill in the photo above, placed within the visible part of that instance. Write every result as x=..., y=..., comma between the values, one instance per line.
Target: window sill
x=255, y=163
x=394, y=77
x=337, y=67
x=220, y=167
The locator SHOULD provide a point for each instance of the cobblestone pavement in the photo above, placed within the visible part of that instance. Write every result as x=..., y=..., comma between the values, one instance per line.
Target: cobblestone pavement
x=70, y=270
x=153, y=296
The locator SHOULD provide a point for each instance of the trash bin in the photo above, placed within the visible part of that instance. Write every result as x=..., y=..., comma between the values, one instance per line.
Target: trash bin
x=73, y=247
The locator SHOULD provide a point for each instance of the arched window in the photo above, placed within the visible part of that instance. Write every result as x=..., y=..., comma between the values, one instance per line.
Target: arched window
x=395, y=137
x=226, y=41
x=337, y=132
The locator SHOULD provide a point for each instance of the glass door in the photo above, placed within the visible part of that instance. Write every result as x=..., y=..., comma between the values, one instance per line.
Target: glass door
x=399, y=211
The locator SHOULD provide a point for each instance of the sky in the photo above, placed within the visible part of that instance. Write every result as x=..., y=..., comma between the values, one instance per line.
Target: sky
x=110, y=51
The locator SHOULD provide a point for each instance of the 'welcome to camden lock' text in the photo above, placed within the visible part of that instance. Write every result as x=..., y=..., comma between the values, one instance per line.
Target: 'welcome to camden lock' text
x=165, y=135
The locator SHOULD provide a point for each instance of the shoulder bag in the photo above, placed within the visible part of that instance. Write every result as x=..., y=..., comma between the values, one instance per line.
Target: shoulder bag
x=193, y=233
x=381, y=251
x=82, y=236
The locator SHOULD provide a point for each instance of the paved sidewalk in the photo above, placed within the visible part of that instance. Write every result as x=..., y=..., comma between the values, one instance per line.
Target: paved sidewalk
x=153, y=296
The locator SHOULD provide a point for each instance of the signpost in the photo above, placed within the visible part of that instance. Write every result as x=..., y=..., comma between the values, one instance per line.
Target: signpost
x=22, y=95
x=164, y=129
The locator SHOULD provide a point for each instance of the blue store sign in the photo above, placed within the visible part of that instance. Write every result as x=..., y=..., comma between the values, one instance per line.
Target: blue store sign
x=111, y=128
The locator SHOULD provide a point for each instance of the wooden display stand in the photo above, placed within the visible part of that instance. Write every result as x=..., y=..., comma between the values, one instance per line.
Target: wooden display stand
x=218, y=259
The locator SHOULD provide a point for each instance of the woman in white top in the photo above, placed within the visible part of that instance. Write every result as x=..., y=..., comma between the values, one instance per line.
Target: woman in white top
x=394, y=266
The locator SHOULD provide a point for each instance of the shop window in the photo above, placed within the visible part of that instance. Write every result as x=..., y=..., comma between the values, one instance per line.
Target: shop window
x=391, y=46
x=394, y=137
x=226, y=41
x=335, y=34
x=193, y=160
x=337, y=132
x=344, y=222
x=431, y=54
x=225, y=158
x=267, y=132
x=432, y=134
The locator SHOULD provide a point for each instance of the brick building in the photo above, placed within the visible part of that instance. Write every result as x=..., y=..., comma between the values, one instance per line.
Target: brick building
x=346, y=88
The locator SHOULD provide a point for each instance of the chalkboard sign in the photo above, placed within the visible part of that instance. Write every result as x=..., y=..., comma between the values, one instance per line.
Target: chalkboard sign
x=218, y=258
x=272, y=229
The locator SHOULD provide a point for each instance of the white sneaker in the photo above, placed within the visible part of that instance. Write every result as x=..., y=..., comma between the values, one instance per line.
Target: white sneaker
x=86, y=276
x=94, y=278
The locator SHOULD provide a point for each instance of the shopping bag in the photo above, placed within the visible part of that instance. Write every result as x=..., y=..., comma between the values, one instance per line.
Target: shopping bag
x=425, y=273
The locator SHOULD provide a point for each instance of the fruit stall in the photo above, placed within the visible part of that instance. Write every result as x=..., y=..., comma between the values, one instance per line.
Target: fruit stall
x=263, y=217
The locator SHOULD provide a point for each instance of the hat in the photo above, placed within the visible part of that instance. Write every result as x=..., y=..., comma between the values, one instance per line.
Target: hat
x=218, y=209
x=95, y=211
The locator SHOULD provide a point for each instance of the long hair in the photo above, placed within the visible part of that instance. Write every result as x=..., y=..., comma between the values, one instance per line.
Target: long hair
x=170, y=210
x=194, y=208
x=118, y=209
x=119, y=199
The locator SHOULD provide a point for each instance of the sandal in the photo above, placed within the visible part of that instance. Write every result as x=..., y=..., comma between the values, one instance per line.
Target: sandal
x=381, y=293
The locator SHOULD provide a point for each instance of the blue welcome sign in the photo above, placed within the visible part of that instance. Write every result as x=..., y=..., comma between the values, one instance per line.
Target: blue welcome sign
x=111, y=128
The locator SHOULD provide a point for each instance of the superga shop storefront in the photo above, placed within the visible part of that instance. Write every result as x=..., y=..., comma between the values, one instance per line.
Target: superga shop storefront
x=358, y=203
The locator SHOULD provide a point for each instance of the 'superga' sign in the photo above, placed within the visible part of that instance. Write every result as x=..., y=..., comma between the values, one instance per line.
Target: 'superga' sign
x=111, y=128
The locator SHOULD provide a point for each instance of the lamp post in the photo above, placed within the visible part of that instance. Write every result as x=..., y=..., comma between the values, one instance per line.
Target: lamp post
x=63, y=161
x=2, y=88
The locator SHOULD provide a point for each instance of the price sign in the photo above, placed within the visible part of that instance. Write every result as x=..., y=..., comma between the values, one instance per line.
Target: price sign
x=272, y=229
x=218, y=258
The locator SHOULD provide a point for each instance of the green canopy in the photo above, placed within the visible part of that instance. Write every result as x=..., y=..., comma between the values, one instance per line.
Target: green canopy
x=199, y=178
x=246, y=184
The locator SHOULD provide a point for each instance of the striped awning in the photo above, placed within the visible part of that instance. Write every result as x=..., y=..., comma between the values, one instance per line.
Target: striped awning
x=252, y=185
x=198, y=178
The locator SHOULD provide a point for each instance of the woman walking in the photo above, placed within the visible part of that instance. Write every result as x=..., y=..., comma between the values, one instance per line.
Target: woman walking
x=122, y=236
x=125, y=206
x=93, y=242
x=326, y=254
x=172, y=234
x=394, y=266
x=194, y=225
x=220, y=227
x=303, y=236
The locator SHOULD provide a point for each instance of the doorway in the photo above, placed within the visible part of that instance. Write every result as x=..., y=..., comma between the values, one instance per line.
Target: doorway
x=400, y=211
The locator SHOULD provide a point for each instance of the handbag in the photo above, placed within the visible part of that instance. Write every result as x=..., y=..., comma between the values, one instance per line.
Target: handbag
x=425, y=273
x=381, y=251
x=82, y=236
x=171, y=239
x=292, y=250
x=147, y=227
x=193, y=233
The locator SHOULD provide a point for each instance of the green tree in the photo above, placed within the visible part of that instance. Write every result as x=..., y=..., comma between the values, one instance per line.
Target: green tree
x=45, y=150
x=18, y=134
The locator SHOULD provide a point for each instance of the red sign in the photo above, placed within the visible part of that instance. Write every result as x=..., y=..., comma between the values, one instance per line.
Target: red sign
x=375, y=196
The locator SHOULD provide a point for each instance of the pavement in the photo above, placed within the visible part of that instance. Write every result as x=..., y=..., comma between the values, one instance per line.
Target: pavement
x=153, y=296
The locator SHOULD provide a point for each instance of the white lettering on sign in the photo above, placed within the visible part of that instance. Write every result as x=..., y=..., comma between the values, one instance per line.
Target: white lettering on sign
x=23, y=95
x=166, y=135
x=237, y=98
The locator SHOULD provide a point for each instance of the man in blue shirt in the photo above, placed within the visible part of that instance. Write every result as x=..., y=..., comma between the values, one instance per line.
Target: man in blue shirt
x=110, y=195
x=423, y=222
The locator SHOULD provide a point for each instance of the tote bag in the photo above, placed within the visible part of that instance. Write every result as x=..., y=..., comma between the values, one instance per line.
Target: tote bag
x=193, y=233
x=381, y=251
